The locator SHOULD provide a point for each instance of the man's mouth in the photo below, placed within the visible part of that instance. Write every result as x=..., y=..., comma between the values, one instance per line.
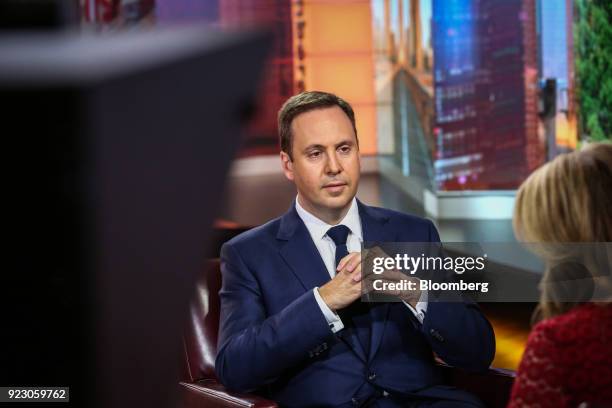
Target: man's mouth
x=335, y=186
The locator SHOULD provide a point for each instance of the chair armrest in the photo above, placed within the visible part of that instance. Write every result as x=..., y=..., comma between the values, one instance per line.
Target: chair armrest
x=492, y=386
x=211, y=394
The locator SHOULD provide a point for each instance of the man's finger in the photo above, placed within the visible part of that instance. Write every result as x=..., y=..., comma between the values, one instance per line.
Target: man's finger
x=346, y=260
x=356, y=274
x=354, y=263
x=343, y=261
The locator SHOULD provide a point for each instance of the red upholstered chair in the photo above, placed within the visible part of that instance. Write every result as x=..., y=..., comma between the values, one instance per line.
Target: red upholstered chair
x=200, y=387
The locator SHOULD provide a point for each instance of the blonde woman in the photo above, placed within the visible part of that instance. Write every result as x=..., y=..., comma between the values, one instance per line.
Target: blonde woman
x=568, y=358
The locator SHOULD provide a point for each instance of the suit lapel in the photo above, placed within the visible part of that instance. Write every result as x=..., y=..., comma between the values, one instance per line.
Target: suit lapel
x=374, y=229
x=300, y=253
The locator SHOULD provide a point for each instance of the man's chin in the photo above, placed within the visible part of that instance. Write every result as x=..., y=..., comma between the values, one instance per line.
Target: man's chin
x=339, y=201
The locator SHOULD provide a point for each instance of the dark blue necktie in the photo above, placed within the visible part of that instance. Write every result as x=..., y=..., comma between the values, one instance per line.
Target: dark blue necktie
x=356, y=314
x=339, y=235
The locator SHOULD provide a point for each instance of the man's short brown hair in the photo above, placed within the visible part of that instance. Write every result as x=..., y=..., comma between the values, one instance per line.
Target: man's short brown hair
x=304, y=102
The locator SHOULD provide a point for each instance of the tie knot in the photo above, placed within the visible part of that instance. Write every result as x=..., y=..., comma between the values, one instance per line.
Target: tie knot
x=339, y=234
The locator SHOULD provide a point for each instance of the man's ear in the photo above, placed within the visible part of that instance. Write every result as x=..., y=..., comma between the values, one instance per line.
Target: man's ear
x=287, y=165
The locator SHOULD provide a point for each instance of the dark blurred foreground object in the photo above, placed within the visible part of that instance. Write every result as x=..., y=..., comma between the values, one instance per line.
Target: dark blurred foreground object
x=201, y=388
x=115, y=150
x=38, y=14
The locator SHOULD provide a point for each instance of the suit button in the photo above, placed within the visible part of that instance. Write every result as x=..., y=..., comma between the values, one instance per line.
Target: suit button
x=436, y=335
x=355, y=401
x=371, y=377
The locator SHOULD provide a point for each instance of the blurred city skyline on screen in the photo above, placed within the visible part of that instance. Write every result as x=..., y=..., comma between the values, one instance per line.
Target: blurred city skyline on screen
x=463, y=94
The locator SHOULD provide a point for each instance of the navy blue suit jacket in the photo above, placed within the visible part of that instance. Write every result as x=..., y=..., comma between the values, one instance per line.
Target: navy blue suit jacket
x=274, y=338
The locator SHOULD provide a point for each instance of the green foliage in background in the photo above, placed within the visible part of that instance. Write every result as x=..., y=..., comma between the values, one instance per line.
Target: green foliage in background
x=593, y=41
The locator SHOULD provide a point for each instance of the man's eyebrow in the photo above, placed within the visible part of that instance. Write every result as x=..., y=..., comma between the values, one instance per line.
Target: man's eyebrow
x=313, y=147
x=348, y=142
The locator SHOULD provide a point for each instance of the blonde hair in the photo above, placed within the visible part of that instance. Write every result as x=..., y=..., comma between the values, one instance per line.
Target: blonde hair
x=567, y=200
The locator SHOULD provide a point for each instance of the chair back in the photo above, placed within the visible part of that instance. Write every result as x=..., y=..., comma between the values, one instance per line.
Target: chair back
x=201, y=329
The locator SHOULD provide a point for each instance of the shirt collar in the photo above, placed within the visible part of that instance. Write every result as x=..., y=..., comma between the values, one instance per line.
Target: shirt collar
x=318, y=228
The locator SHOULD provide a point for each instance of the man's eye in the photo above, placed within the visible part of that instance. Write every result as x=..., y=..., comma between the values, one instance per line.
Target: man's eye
x=314, y=155
x=345, y=149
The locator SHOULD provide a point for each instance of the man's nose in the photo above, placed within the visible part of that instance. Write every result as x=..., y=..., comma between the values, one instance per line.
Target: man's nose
x=333, y=164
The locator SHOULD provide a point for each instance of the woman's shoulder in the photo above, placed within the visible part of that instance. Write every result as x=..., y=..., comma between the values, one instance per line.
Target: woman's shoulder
x=567, y=360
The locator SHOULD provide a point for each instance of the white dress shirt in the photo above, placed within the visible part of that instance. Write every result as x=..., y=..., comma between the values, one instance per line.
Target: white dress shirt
x=327, y=249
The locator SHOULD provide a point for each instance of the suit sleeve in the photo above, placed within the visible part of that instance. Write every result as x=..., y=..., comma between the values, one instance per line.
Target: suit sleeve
x=457, y=330
x=254, y=348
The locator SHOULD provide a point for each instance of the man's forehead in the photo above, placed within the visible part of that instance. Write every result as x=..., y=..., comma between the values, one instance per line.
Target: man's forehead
x=322, y=124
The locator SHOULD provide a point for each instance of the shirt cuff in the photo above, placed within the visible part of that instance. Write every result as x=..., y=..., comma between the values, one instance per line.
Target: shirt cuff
x=333, y=320
x=421, y=306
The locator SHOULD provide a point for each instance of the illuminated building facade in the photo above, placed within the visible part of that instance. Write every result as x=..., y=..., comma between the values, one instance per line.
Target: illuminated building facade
x=556, y=62
x=485, y=87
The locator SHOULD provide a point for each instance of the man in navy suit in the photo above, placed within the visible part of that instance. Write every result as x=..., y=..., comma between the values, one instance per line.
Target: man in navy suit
x=292, y=324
